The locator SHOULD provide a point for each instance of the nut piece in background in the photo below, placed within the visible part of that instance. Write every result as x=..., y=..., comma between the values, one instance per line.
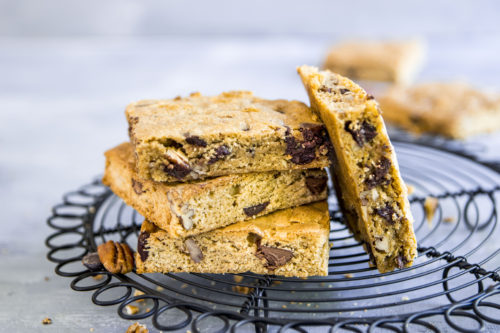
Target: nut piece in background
x=116, y=257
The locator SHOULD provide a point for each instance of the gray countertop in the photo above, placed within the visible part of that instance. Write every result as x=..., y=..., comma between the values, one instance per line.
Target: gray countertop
x=62, y=102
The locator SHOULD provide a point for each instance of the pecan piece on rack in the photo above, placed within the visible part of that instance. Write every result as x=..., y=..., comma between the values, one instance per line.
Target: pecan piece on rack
x=116, y=257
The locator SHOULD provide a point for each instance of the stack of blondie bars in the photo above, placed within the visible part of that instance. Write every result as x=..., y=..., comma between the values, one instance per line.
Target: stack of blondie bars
x=227, y=184
x=235, y=183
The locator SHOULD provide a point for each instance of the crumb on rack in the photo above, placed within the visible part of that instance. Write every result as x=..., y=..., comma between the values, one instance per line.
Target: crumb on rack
x=449, y=219
x=410, y=188
x=430, y=206
x=241, y=289
x=47, y=321
x=98, y=277
x=348, y=276
x=405, y=298
x=137, y=328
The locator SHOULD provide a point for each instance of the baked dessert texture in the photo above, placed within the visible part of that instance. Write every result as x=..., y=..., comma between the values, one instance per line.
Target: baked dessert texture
x=185, y=209
x=196, y=137
x=369, y=187
x=393, y=61
x=451, y=109
x=290, y=242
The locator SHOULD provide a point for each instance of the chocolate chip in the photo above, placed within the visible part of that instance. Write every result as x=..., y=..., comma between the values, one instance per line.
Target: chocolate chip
x=325, y=89
x=194, y=250
x=254, y=238
x=344, y=91
x=316, y=184
x=275, y=257
x=178, y=166
x=377, y=174
x=137, y=186
x=141, y=245
x=303, y=151
x=387, y=213
x=220, y=153
x=361, y=133
x=369, y=97
x=254, y=210
x=92, y=261
x=196, y=141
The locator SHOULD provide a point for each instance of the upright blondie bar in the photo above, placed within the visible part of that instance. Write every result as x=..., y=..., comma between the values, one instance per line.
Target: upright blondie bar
x=196, y=137
x=369, y=187
x=290, y=242
x=185, y=209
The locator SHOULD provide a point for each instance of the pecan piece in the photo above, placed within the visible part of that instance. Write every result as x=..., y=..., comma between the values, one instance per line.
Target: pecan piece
x=193, y=250
x=116, y=257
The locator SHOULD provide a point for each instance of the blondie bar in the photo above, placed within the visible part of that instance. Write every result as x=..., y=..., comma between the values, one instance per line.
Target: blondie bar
x=455, y=110
x=235, y=132
x=185, y=209
x=290, y=242
x=369, y=187
x=393, y=61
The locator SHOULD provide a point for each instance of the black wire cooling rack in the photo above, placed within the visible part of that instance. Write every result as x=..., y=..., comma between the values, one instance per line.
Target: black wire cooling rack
x=454, y=283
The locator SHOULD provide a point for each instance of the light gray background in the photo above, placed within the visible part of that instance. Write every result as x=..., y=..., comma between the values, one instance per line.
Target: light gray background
x=68, y=68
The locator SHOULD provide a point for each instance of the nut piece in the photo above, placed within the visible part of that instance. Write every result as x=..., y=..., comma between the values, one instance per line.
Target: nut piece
x=186, y=217
x=137, y=328
x=179, y=164
x=193, y=250
x=116, y=257
x=382, y=244
x=430, y=206
x=131, y=309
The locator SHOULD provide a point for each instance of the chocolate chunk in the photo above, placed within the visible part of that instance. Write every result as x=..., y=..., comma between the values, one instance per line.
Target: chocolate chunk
x=196, y=141
x=254, y=210
x=377, y=174
x=361, y=133
x=325, y=89
x=344, y=91
x=179, y=166
x=402, y=261
x=220, y=153
x=92, y=261
x=137, y=186
x=369, y=97
x=387, y=213
x=141, y=245
x=303, y=151
x=193, y=249
x=275, y=257
x=316, y=184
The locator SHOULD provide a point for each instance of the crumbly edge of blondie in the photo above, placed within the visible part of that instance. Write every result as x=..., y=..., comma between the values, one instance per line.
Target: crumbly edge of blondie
x=186, y=209
x=370, y=188
x=289, y=249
